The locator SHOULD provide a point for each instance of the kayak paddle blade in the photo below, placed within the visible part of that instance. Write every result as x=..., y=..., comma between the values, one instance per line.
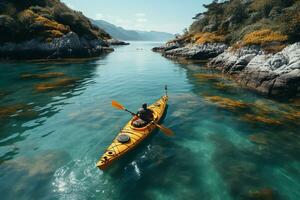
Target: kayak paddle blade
x=165, y=130
x=117, y=105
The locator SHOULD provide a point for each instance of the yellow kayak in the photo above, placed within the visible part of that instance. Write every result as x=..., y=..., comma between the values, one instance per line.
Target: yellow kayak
x=130, y=136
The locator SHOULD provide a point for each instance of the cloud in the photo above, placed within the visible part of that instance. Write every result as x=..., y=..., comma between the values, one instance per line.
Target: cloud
x=140, y=15
x=141, y=20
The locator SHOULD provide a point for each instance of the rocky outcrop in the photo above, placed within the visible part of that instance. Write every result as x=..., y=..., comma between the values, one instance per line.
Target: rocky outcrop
x=67, y=46
x=167, y=47
x=191, y=51
x=271, y=74
x=116, y=42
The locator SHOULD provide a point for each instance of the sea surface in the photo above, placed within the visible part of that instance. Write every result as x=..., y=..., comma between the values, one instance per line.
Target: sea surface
x=56, y=120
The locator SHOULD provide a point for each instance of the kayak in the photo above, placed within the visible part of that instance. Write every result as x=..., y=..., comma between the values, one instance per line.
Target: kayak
x=129, y=137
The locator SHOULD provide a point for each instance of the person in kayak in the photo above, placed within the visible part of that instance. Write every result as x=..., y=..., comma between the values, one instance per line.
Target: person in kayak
x=145, y=116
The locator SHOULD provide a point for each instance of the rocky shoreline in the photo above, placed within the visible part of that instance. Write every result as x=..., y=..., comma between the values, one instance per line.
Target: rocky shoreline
x=69, y=45
x=270, y=74
x=176, y=50
x=274, y=75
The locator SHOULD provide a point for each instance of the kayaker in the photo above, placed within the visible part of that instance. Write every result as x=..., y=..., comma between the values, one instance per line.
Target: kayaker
x=145, y=116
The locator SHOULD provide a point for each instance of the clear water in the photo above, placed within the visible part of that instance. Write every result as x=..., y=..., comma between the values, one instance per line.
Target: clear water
x=51, y=139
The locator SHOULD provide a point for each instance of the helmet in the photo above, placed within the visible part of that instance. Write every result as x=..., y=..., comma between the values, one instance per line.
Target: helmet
x=145, y=106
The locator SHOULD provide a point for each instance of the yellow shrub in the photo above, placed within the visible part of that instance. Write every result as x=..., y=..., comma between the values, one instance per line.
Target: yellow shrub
x=52, y=25
x=185, y=38
x=55, y=33
x=26, y=16
x=263, y=37
x=28, y=13
x=206, y=37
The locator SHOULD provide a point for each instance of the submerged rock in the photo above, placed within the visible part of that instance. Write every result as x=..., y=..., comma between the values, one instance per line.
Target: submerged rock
x=67, y=46
x=270, y=74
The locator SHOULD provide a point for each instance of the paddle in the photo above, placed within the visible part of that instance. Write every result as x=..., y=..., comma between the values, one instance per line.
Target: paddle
x=164, y=129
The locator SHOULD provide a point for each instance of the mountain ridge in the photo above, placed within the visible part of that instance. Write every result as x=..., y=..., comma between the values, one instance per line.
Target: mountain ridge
x=121, y=33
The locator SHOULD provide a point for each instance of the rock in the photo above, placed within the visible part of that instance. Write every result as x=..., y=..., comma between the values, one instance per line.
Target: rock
x=196, y=52
x=116, y=42
x=167, y=47
x=235, y=60
x=270, y=74
x=69, y=45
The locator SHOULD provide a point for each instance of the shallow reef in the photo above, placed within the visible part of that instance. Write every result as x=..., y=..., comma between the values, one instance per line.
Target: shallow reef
x=43, y=76
x=258, y=139
x=225, y=86
x=226, y=103
x=204, y=76
x=19, y=111
x=261, y=194
x=7, y=111
x=58, y=84
x=31, y=174
x=261, y=119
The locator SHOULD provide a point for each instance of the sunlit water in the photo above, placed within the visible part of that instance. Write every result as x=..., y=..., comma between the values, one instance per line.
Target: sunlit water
x=51, y=138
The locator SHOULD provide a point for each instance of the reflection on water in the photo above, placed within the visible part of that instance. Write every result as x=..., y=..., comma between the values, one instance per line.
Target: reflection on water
x=56, y=120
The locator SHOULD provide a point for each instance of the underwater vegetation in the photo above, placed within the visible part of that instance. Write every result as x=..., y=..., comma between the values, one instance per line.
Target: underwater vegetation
x=43, y=76
x=7, y=111
x=58, y=84
x=261, y=119
x=258, y=139
x=205, y=76
x=19, y=111
x=226, y=103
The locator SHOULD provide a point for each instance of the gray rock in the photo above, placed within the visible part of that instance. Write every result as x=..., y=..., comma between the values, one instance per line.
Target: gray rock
x=200, y=52
x=232, y=60
x=167, y=47
x=271, y=74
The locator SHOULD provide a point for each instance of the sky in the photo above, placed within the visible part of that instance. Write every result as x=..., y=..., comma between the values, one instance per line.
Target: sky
x=151, y=15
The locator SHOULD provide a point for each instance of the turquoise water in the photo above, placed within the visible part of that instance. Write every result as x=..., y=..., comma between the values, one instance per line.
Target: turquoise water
x=229, y=143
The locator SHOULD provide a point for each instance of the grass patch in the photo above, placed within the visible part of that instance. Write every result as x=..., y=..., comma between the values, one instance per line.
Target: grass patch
x=206, y=37
x=263, y=37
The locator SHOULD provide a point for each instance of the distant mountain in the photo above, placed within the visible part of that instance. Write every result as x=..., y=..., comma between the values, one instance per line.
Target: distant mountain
x=123, y=34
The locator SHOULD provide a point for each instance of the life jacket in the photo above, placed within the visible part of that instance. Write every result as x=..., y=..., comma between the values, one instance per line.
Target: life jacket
x=145, y=114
